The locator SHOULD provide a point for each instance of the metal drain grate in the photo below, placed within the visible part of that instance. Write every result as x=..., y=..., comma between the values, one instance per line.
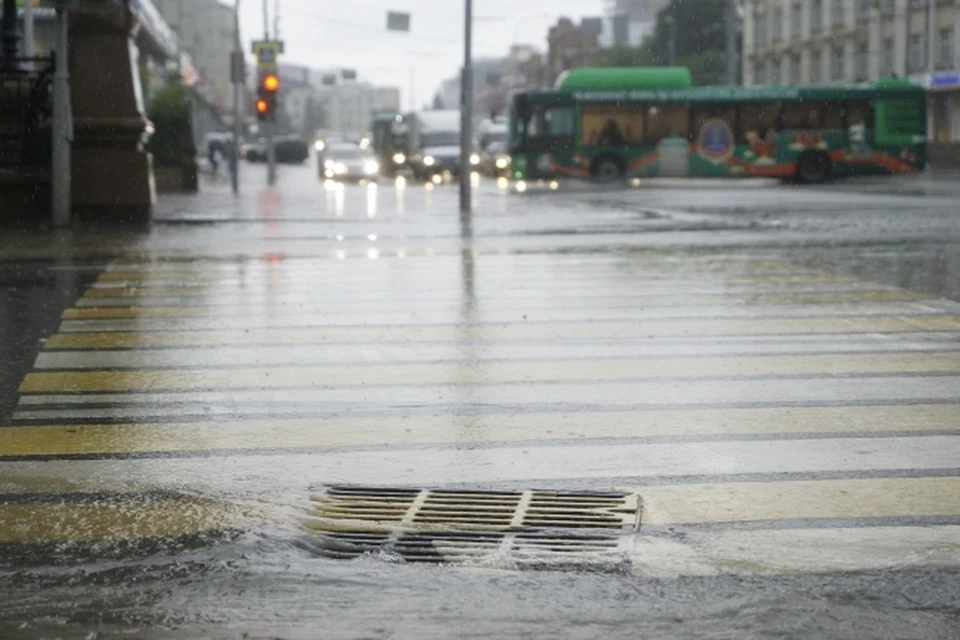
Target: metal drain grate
x=521, y=528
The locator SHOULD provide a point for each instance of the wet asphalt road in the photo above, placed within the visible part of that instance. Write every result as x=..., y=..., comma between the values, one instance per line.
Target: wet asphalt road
x=769, y=376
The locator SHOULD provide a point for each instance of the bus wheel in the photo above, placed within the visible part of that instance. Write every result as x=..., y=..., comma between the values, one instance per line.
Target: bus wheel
x=813, y=168
x=607, y=170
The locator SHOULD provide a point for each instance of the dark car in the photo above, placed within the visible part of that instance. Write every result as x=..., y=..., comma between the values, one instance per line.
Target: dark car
x=291, y=150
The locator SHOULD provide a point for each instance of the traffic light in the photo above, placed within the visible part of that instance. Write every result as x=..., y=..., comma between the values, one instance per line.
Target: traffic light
x=266, y=105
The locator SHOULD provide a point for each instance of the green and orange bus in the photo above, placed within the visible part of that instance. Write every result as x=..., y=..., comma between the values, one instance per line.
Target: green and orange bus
x=614, y=124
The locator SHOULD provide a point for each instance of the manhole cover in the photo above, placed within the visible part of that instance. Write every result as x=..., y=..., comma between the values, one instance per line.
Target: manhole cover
x=526, y=529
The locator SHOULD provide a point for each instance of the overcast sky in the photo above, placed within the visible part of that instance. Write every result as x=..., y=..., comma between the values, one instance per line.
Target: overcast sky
x=352, y=34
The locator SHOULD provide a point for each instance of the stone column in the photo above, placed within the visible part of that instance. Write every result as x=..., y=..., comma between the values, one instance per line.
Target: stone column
x=111, y=172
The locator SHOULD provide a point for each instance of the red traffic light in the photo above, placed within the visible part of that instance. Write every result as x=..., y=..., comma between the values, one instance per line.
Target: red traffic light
x=271, y=82
x=262, y=106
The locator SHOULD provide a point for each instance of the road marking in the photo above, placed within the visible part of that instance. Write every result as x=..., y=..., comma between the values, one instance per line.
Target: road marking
x=724, y=503
x=96, y=305
x=709, y=553
x=285, y=355
x=570, y=464
x=55, y=440
x=121, y=520
x=426, y=399
x=559, y=331
x=487, y=372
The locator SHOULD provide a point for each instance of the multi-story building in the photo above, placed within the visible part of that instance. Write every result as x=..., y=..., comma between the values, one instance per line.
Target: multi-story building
x=846, y=41
x=569, y=46
x=349, y=106
x=636, y=10
x=206, y=32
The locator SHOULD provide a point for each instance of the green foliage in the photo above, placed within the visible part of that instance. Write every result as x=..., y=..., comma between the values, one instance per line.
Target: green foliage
x=706, y=68
x=172, y=142
x=698, y=26
x=627, y=56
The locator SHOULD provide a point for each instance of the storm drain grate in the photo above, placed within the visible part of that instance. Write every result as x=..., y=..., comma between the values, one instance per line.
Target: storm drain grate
x=527, y=529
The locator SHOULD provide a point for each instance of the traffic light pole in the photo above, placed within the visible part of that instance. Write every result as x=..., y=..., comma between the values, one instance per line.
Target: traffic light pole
x=269, y=125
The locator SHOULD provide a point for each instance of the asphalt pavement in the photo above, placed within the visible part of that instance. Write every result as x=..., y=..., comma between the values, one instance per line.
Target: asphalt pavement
x=670, y=409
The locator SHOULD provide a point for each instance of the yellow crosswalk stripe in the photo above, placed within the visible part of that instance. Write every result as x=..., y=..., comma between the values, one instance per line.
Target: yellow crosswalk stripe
x=740, y=502
x=488, y=372
x=515, y=331
x=400, y=306
x=100, y=520
x=386, y=431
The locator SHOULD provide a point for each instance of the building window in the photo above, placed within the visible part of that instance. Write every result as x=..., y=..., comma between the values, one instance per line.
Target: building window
x=760, y=26
x=839, y=63
x=816, y=15
x=760, y=72
x=777, y=24
x=916, y=52
x=797, y=28
x=863, y=8
x=796, y=69
x=816, y=66
x=839, y=14
x=775, y=72
x=888, y=6
x=888, y=55
x=863, y=60
x=945, y=50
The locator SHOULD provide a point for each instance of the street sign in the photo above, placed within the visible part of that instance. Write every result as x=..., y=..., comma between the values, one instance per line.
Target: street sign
x=267, y=53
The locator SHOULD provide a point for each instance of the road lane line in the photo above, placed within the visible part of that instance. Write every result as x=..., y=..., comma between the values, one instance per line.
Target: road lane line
x=431, y=400
x=565, y=331
x=220, y=302
x=731, y=502
x=234, y=357
x=122, y=520
x=566, y=465
x=487, y=372
x=55, y=440
x=796, y=551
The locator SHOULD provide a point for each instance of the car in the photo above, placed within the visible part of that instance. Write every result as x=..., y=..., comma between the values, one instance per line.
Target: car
x=495, y=161
x=286, y=149
x=349, y=162
x=291, y=150
x=254, y=151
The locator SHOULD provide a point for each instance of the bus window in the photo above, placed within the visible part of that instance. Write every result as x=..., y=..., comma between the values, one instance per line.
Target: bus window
x=558, y=122
x=666, y=120
x=704, y=113
x=611, y=126
x=549, y=128
x=860, y=114
x=757, y=121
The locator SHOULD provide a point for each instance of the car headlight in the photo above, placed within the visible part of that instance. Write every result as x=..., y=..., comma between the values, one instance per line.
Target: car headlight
x=474, y=159
x=329, y=164
x=370, y=167
x=428, y=161
x=318, y=145
x=503, y=163
x=399, y=158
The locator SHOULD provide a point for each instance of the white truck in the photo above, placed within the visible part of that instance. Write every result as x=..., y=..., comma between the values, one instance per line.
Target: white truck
x=435, y=142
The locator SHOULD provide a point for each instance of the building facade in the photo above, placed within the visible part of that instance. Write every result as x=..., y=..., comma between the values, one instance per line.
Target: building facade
x=794, y=42
x=569, y=46
x=636, y=10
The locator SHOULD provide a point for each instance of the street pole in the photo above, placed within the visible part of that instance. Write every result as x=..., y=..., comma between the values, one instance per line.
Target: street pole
x=466, y=118
x=9, y=37
x=235, y=71
x=730, y=55
x=29, y=48
x=271, y=156
x=62, y=126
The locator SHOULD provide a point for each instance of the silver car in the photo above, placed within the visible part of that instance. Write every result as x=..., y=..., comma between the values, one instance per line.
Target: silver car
x=349, y=162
